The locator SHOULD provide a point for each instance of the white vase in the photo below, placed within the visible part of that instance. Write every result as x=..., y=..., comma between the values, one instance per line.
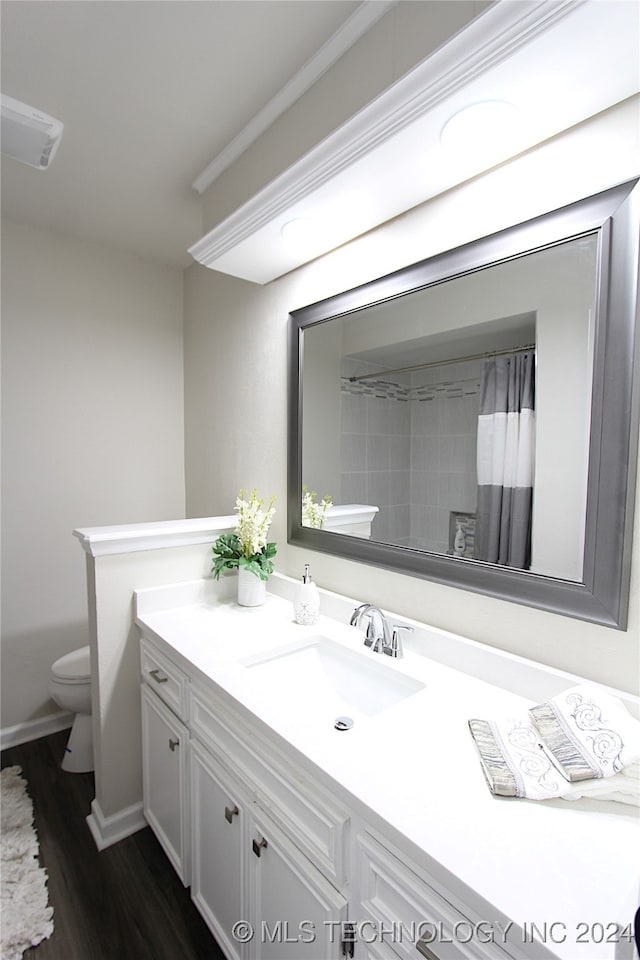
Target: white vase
x=252, y=591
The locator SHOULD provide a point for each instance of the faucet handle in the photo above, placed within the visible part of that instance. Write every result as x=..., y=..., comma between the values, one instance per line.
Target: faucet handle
x=370, y=637
x=395, y=650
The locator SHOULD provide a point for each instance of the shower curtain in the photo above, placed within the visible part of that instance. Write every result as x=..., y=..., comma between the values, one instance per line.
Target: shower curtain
x=506, y=439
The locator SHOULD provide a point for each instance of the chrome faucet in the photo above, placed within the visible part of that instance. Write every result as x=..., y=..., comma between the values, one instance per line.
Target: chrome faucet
x=378, y=634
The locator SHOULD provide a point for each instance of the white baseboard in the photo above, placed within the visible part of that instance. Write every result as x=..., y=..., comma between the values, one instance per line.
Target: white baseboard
x=34, y=729
x=108, y=830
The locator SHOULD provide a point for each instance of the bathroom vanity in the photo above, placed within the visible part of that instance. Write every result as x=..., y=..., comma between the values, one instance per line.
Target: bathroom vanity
x=302, y=835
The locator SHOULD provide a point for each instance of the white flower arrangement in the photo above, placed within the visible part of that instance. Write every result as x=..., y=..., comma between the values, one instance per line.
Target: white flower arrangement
x=248, y=546
x=253, y=522
x=313, y=513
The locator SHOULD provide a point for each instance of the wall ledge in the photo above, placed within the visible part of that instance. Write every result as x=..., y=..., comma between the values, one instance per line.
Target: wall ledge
x=133, y=537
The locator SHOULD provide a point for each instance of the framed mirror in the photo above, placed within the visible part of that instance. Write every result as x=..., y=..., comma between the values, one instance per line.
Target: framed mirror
x=473, y=420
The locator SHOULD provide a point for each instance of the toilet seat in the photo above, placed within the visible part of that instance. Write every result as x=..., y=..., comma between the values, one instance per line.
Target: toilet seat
x=74, y=667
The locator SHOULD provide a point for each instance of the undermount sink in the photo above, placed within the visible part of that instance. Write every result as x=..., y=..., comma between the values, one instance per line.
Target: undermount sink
x=320, y=674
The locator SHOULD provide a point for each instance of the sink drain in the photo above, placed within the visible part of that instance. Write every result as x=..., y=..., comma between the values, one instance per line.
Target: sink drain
x=343, y=723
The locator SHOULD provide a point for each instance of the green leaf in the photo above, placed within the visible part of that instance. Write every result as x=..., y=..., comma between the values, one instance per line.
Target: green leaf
x=226, y=551
x=270, y=550
x=228, y=555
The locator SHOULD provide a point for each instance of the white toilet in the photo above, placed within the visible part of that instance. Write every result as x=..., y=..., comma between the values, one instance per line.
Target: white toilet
x=70, y=688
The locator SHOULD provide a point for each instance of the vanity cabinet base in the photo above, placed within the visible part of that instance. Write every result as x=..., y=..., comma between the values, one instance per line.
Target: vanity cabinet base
x=165, y=749
x=260, y=896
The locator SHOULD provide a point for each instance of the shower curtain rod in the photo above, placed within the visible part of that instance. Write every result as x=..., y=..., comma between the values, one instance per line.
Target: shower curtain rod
x=442, y=363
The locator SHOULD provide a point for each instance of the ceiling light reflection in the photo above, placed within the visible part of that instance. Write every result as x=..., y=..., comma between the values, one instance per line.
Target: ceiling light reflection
x=487, y=131
x=302, y=232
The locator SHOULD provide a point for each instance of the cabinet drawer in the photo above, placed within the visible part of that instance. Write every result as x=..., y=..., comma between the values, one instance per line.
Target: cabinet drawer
x=167, y=680
x=301, y=807
x=410, y=916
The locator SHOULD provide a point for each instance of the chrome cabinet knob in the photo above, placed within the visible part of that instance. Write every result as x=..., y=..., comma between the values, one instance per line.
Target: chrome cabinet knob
x=231, y=812
x=258, y=846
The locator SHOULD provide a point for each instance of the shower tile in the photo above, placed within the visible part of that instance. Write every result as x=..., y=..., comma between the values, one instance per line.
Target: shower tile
x=471, y=408
x=431, y=423
x=470, y=492
x=418, y=418
x=398, y=528
x=354, y=488
x=462, y=453
x=399, y=418
x=399, y=486
x=431, y=453
x=418, y=487
x=445, y=453
x=353, y=414
x=399, y=452
x=378, y=488
x=417, y=453
x=378, y=415
x=352, y=452
x=377, y=452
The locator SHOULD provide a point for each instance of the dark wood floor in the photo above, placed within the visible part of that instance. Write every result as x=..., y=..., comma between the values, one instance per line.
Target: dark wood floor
x=125, y=903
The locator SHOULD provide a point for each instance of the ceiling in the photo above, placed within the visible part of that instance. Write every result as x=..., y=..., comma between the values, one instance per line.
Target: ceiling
x=516, y=76
x=155, y=92
x=150, y=92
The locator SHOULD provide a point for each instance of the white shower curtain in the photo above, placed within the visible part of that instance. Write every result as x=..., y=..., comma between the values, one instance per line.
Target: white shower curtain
x=506, y=449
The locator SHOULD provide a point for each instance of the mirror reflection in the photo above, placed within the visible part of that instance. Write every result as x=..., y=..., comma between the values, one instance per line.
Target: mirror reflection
x=455, y=419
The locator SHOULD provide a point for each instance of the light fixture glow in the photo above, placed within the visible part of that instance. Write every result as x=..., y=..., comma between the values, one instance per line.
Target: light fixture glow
x=300, y=232
x=487, y=130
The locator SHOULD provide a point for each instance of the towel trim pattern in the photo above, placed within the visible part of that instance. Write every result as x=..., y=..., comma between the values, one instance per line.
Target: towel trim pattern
x=500, y=776
x=576, y=763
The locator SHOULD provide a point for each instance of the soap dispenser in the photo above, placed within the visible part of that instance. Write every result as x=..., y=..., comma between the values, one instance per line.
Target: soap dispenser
x=460, y=542
x=306, y=600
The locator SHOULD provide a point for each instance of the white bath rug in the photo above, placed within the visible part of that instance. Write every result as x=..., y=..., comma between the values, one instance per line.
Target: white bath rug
x=26, y=915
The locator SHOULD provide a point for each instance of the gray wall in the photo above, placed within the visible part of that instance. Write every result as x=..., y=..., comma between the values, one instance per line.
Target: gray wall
x=92, y=433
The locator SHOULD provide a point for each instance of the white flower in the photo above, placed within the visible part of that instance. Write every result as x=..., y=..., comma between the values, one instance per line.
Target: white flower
x=313, y=513
x=253, y=522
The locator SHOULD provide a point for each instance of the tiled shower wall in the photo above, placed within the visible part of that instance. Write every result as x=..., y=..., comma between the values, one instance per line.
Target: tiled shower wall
x=408, y=445
x=375, y=452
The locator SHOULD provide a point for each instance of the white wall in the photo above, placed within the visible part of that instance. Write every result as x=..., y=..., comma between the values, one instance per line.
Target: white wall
x=234, y=323
x=115, y=647
x=92, y=433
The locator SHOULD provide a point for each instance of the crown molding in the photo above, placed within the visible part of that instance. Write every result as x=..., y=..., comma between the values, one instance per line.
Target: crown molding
x=492, y=38
x=359, y=23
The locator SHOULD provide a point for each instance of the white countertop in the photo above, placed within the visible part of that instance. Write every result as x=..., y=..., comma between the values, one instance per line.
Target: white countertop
x=572, y=866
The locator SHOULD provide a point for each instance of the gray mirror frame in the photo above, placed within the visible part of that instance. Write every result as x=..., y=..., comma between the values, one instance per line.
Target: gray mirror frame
x=603, y=595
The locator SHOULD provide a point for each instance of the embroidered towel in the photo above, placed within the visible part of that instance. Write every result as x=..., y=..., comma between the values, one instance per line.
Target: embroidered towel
x=514, y=760
x=563, y=748
x=623, y=787
x=589, y=733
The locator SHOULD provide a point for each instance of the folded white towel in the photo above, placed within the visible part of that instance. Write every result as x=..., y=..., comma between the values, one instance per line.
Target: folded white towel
x=623, y=787
x=589, y=732
x=514, y=760
x=582, y=743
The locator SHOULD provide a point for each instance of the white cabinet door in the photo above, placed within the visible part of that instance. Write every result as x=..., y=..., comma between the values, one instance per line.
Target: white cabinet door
x=297, y=914
x=218, y=815
x=165, y=746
